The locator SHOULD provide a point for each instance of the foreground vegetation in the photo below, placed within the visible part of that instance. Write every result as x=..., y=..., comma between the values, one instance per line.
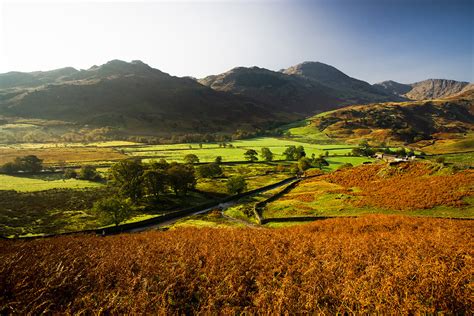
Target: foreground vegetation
x=373, y=264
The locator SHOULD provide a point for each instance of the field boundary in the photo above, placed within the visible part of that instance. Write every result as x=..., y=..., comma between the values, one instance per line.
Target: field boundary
x=259, y=206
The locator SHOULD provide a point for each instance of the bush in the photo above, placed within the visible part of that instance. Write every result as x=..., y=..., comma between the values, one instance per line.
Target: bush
x=191, y=158
x=28, y=163
x=210, y=170
x=115, y=210
x=236, y=184
x=304, y=164
x=89, y=173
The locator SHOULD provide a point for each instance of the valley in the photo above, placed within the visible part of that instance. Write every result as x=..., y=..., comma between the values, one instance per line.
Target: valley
x=289, y=166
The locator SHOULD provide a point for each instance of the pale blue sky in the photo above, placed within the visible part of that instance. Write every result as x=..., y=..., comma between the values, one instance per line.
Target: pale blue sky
x=373, y=40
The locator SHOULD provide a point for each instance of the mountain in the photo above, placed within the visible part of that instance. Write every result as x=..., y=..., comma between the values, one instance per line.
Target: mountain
x=307, y=88
x=393, y=87
x=424, y=90
x=132, y=97
x=276, y=89
x=349, y=89
x=401, y=122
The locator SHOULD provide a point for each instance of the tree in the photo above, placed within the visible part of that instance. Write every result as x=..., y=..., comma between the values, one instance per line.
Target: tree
x=290, y=152
x=304, y=164
x=299, y=152
x=154, y=181
x=126, y=175
x=320, y=162
x=401, y=152
x=181, y=178
x=210, y=170
x=10, y=167
x=363, y=150
x=218, y=159
x=266, y=154
x=29, y=163
x=115, y=209
x=70, y=174
x=236, y=184
x=251, y=155
x=89, y=173
x=191, y=159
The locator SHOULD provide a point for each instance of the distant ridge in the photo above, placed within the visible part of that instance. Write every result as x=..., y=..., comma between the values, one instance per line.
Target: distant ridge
x=423, y=90
x=136, y=99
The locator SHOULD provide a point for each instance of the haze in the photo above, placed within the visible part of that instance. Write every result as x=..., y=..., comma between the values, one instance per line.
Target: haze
x=403, y=40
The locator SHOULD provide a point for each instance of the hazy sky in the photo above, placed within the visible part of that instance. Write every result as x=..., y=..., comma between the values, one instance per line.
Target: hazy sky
x=373, y=40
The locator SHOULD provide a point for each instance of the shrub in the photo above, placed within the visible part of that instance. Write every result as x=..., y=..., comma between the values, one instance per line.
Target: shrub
x=191, y=158
x=210, y=170
x=89, y=173
x=236, y=184
x=115, y=210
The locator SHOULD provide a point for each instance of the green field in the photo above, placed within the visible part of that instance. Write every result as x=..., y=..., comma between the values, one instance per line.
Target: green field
x=27, y=184
x=210, y=151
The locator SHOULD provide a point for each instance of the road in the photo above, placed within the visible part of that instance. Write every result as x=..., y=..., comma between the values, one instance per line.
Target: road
x=221, y=206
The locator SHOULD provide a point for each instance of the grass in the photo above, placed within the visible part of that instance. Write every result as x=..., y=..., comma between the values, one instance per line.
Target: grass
x=24, y=184
x=210, y=151
x=369, y=265
x=461, y=143
x=112, y=143
x=209, y=220
x=462, y=159
x=70, y=155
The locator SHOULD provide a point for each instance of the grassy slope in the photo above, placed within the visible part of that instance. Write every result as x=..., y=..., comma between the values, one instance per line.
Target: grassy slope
x=449, y=122
x=335, y=195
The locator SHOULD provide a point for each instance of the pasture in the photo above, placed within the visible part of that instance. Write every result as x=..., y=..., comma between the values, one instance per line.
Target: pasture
x=234, y=151
x=57, y=155
x=32, y=184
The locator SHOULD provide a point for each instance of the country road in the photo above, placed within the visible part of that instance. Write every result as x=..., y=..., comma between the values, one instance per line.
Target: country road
x=219, y=205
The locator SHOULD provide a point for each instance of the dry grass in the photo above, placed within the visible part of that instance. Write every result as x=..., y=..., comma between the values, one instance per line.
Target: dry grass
x=376, y=264
x=70, y=155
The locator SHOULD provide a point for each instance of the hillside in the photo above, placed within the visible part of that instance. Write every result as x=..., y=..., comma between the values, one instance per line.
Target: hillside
x=131, y=97
x=291, y=94
x=307, y=88
x=424, y=90
x=394, y=264
x=349, y=89
x=403, y=122
x=381, y=188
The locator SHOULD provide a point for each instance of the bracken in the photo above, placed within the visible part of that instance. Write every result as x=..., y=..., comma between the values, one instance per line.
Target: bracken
x=372, y=264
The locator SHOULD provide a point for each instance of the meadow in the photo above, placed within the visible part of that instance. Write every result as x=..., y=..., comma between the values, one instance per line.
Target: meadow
x=235, y=152
x=372, y=264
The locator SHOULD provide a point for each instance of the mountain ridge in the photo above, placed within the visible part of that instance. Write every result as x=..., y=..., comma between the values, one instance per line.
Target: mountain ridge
x=425, y=89
x=136, y=98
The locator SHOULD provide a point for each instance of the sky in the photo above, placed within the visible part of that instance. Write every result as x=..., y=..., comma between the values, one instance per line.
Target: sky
x=372, y=40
